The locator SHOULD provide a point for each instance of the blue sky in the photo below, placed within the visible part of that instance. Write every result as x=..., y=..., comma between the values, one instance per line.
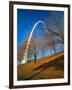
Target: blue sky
x=27, y=18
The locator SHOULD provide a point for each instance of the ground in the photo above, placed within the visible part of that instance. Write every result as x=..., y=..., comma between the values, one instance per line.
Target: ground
x=51, y=67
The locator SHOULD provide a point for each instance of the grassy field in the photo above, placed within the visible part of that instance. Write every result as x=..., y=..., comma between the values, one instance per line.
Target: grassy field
x=50, y=67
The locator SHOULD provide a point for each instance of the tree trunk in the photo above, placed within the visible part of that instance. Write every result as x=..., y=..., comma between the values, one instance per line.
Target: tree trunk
x=35, y=58
x=54, y=50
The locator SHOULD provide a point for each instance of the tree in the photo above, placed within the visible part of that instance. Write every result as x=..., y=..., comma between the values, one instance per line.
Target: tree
x=58, y=24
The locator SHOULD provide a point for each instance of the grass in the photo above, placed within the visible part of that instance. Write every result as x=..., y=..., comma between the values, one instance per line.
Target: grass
x=50, y=67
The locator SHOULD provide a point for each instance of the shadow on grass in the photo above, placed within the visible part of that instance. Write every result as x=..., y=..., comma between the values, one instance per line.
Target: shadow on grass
x=57, y=64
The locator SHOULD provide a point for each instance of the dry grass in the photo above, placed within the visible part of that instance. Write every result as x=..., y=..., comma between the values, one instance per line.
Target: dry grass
x=46, y=68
